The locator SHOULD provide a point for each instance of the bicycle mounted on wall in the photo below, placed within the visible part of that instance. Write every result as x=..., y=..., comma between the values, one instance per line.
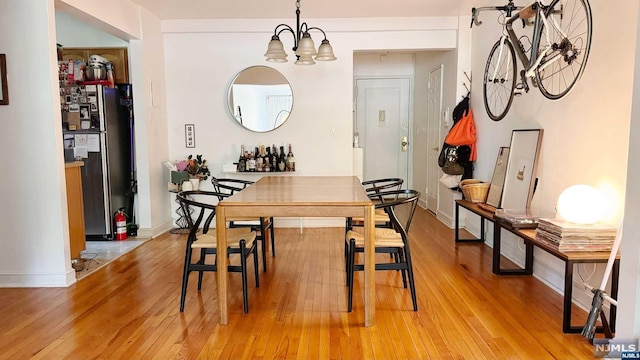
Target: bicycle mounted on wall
x=559, y=51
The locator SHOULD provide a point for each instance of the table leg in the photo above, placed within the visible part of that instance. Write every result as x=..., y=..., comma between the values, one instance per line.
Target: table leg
x=614, y=294
x=568, y=295
x=497, y=234
x=369, y=267
x=457, y=230
x=221, y=235
x=497, y=242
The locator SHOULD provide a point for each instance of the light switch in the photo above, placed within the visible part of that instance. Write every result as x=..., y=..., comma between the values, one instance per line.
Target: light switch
x=381, y=115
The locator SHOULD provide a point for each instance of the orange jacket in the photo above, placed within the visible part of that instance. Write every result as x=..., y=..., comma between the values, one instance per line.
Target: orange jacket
x=464, y=133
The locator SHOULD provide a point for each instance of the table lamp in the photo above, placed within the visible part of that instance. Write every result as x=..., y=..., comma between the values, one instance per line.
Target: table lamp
x=581, y=204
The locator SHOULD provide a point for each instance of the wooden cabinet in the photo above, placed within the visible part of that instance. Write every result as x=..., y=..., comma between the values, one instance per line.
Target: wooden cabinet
x=118, y=57
x=75, y=208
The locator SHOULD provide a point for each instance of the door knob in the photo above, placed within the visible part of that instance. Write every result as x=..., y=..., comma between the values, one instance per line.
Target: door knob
x=404, y=144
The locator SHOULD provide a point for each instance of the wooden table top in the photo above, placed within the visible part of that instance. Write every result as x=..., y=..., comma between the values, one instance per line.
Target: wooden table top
x=302, y=190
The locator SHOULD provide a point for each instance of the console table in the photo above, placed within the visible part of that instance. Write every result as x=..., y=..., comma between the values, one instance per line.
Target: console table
x=529, y=238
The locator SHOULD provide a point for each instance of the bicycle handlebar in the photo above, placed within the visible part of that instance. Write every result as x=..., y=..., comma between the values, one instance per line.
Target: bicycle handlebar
x=509, y=9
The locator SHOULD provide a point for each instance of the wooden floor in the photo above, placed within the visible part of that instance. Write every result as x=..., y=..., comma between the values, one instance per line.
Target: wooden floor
x=129, y=308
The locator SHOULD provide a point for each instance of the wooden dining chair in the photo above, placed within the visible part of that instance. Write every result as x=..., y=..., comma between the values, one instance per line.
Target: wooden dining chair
x=259, y=225
x=392, y=240
x=239, y=240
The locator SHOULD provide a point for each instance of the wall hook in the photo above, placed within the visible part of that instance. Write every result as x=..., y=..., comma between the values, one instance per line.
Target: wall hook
x=468, y=88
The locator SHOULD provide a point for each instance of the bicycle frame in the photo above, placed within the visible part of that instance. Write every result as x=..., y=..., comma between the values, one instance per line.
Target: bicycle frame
x=542, y=13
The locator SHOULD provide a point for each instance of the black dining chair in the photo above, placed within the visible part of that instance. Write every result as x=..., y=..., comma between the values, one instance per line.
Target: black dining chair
x=259, y=225
x=381, y=219
x=372, y=187
x=239, y=241
x=393, y=240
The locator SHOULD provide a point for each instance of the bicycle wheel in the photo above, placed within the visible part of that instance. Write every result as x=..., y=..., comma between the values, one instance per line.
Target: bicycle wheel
x=499, y=80
x=567, y=35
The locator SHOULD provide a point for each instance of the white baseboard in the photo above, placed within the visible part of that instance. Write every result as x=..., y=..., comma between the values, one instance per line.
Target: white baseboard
x=422, y=203
x=38, y=280
x=446, y=219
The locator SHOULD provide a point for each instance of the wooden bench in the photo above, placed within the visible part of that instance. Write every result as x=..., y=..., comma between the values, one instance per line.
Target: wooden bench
x=529, y=238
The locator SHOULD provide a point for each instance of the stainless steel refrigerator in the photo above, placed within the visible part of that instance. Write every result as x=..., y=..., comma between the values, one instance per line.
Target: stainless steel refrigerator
x=98, y=130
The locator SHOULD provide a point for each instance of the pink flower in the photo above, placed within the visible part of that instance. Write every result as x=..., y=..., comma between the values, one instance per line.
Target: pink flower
x=182, y=165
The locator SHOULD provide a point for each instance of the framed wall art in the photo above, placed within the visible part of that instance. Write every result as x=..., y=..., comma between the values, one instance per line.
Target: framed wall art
x=520, y=177
x=190, y=135
x=4, y=89
x=497, y=180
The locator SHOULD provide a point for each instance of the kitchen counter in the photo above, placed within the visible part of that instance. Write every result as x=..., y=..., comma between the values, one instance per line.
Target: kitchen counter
x=73, y=164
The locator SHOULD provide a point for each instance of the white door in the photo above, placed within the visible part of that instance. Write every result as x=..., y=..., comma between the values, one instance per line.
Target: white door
x=382, y=120
x=433, y=137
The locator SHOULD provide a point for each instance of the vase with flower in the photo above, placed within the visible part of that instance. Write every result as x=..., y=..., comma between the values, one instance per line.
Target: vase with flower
x=197, y=169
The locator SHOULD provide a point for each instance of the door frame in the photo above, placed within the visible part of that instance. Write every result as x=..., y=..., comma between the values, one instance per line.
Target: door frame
x=409, y=182
x=438, y=121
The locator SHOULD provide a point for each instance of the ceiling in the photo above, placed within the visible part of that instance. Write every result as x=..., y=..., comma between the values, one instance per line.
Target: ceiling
x=280, y=9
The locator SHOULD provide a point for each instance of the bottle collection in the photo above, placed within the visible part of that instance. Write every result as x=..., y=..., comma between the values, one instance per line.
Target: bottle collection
x=265, y=159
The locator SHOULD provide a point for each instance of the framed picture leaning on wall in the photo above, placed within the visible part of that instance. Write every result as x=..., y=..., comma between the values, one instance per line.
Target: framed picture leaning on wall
x=520, y=178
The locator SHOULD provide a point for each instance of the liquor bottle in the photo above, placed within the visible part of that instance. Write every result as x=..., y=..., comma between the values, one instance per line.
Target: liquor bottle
x=247, y=157
x=267, y=160
x=264, y=157
x=258, y=159
x=242, y=162
x=252, y=161
x=282, y=161
x=274, y=158
x=291, y=161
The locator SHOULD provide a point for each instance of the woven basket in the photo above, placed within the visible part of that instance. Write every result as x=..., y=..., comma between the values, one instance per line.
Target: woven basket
x=475, y=190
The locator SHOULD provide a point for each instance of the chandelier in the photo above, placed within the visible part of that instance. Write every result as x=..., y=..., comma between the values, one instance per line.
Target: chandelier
x=303, y=45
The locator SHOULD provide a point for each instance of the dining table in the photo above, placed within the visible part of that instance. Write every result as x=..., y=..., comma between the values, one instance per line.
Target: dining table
x=299, y=196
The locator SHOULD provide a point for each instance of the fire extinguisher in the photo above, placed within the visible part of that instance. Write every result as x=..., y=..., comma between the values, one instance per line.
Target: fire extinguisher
x=121, y=225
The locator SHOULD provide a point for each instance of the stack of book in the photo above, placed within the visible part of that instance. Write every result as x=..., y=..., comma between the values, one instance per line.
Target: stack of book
x=567, y=236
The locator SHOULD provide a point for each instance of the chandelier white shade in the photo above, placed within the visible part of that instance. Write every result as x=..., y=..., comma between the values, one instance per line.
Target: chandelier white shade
x=304, y=47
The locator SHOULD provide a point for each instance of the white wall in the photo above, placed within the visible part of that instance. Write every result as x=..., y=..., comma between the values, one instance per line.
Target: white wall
x=33, y=252
x=586, y=134
x=150, y=112
x=320, y=124
x=629, y=295
x=71, y=32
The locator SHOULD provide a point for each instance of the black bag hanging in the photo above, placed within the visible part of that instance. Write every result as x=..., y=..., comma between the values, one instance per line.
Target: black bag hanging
x=462, y=165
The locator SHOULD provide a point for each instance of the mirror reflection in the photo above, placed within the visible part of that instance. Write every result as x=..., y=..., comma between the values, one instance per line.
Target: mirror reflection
x=260, y=98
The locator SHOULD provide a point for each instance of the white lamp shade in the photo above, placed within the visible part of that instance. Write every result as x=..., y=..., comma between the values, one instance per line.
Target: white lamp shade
x=275, y=51
x=305, y=60
x=306, y=46
x=325, y=52
x=582, y=204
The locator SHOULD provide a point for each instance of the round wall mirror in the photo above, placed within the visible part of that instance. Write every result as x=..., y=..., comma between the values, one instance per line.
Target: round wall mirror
x=260, y=98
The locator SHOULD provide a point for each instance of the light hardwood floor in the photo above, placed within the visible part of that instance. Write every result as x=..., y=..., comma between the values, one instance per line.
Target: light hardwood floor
x=129, y=308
